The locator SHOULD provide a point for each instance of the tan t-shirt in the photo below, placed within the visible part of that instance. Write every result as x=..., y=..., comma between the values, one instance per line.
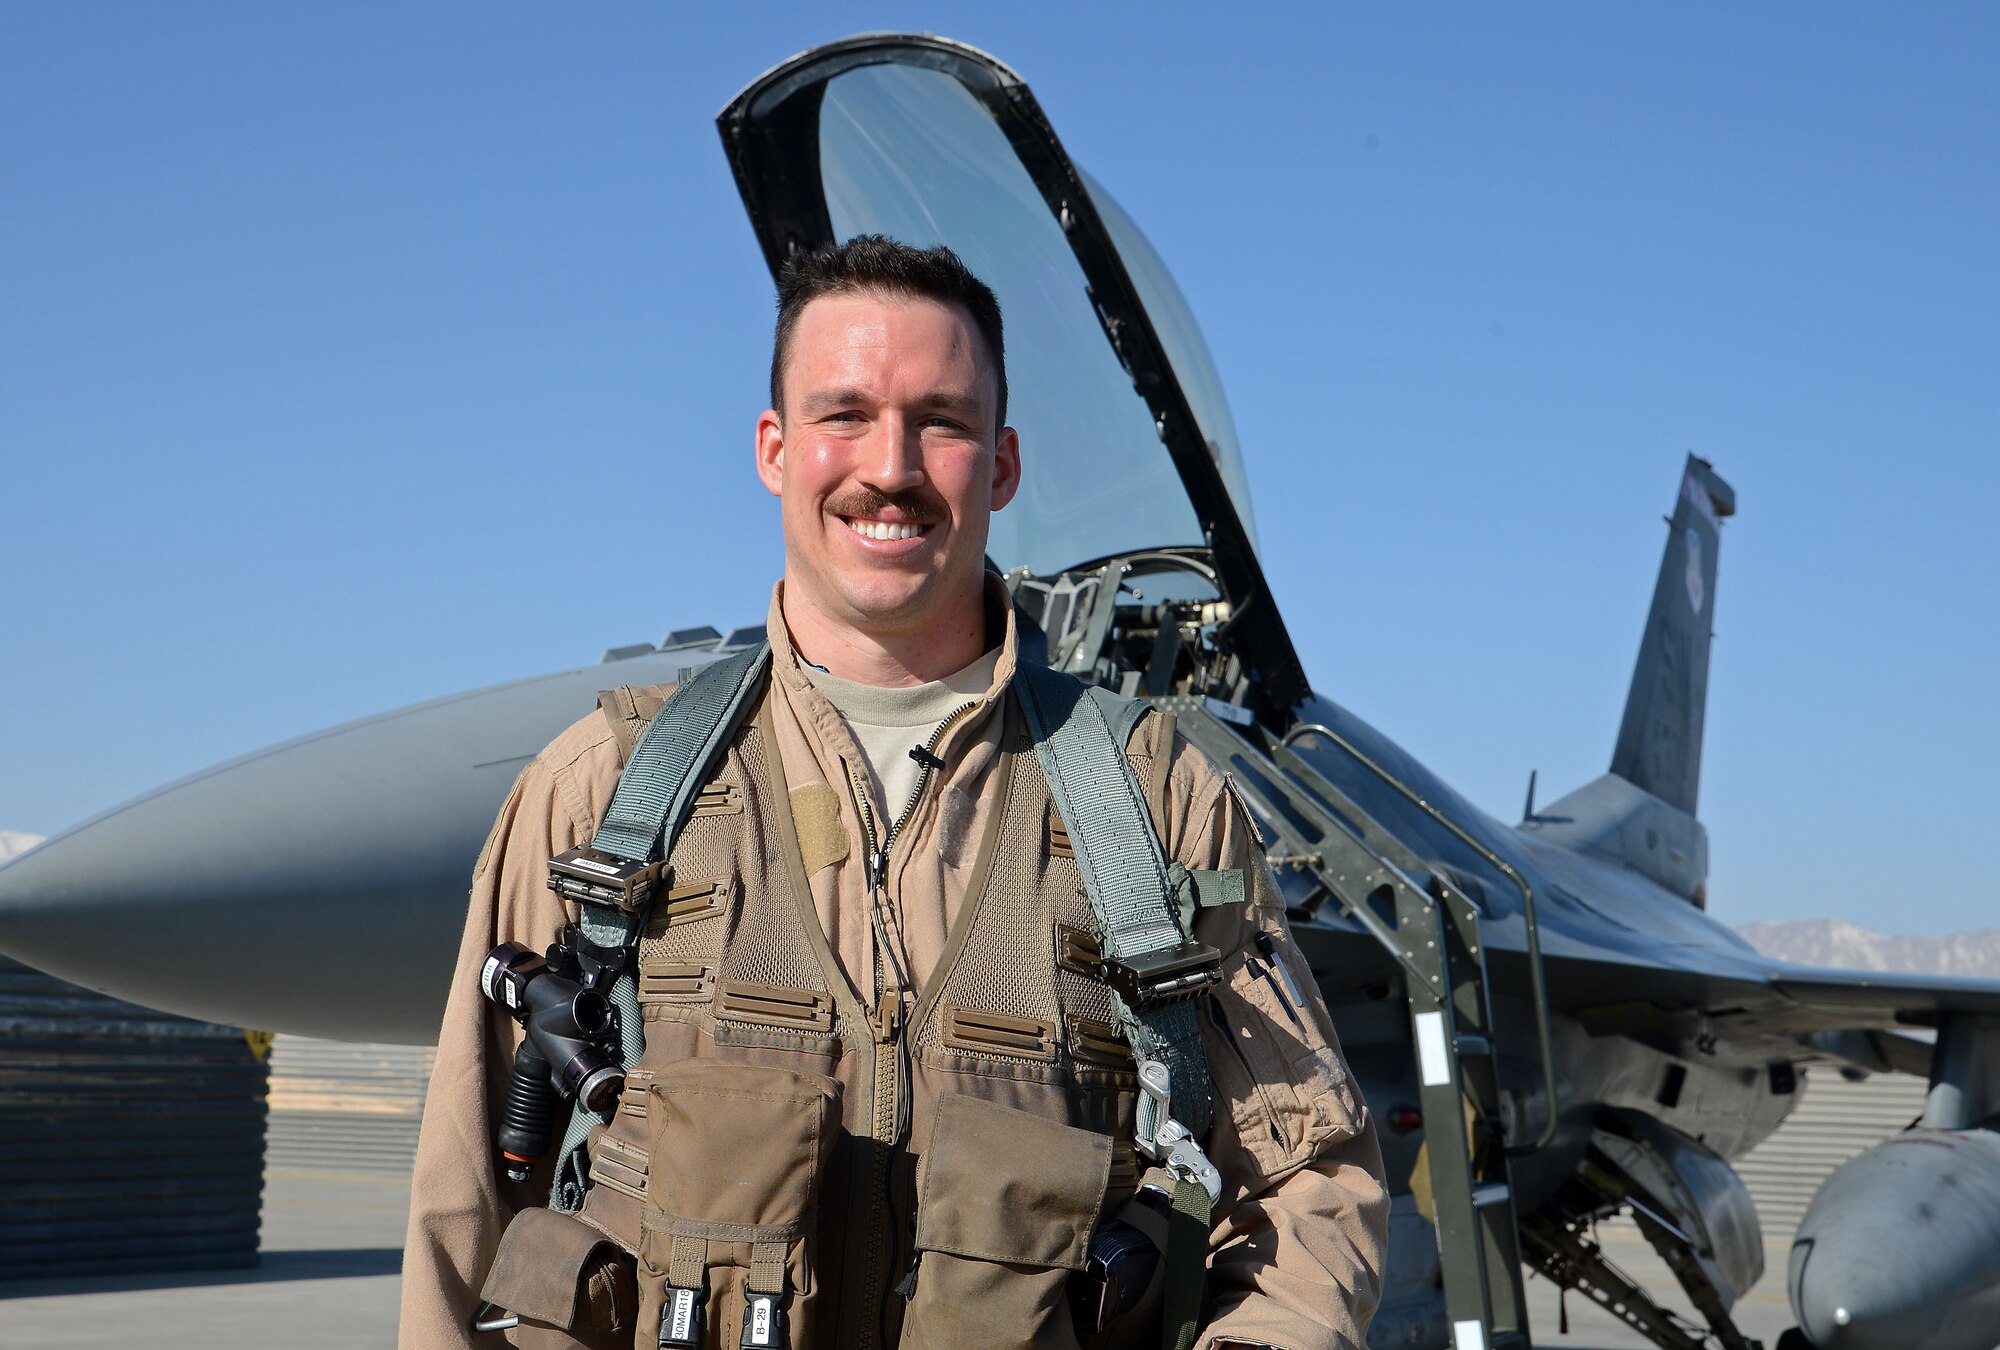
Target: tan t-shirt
x=888, y=723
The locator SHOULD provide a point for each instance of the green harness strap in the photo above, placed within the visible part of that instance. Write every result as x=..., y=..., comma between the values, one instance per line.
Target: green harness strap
x=679, y=750
x=1186, y=1260
x=1151, y=959
x=1124, y=874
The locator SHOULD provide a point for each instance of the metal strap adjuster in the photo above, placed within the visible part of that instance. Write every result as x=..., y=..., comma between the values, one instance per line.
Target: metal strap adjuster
x=1172, y=1145
x=590, y=876
x=1185, y=970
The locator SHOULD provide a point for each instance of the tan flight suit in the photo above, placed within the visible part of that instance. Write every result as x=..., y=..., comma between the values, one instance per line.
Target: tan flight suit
x=824, y=1135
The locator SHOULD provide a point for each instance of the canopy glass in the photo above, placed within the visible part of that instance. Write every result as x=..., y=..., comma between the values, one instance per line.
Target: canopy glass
x=909, y=153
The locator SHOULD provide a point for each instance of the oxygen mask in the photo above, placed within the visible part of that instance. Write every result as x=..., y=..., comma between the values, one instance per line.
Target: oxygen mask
x=569, y=1049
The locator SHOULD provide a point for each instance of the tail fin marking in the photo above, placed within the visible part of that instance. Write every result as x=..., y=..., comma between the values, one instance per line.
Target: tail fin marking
x=1659, y=741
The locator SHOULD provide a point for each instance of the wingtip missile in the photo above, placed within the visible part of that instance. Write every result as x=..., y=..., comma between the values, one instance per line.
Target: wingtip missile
x=1900, y=1249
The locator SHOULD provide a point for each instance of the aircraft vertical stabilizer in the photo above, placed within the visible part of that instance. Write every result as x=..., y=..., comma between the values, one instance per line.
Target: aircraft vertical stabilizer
x=1659, y=742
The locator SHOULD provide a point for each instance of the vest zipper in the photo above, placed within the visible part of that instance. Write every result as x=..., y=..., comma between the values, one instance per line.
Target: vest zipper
x=887, y=1022
x=877, y=854
x=927, y=760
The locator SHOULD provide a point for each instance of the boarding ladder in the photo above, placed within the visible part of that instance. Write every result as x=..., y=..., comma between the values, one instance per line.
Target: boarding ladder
x=1431, y=928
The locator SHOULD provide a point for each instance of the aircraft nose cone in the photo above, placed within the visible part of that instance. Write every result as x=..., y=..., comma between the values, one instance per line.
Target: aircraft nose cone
x=264, y=894
x=317, y=887
x=1900, y=1249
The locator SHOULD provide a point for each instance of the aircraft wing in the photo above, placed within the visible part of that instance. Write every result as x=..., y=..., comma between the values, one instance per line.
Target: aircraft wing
x=1863, y=1018
x=1767, y=1010
x=1857, y=998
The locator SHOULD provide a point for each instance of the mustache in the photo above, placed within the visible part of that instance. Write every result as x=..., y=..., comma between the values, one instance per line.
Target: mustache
x=916, y=507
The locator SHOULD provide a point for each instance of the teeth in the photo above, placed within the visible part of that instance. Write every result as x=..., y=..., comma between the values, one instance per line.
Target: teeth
x=884, y=530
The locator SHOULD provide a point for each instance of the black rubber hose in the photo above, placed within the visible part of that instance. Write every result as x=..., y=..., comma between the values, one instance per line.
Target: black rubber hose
x=529, y=1117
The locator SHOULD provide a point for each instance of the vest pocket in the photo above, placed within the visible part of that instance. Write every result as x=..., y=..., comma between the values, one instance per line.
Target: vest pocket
x=567, y=1282
x=1006, y=1205
x=736, y=1155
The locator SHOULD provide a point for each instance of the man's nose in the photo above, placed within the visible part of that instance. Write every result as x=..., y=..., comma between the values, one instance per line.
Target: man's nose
x=894, y=461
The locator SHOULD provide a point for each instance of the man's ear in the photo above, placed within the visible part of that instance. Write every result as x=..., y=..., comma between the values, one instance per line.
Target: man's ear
x=771, y=452
x=1006, y=467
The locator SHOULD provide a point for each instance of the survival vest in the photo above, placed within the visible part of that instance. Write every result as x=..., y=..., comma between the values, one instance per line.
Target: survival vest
x=780, y=1158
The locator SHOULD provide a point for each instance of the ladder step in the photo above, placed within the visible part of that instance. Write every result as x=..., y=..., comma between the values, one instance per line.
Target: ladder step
x=1472, y=1045
x=1490, y=1193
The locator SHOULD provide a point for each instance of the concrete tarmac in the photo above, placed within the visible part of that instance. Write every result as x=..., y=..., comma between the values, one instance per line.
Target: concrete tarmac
x=330, y=1278
x=1763, y=1314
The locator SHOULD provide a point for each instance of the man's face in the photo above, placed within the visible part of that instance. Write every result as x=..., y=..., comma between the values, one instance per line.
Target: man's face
x=887, y=461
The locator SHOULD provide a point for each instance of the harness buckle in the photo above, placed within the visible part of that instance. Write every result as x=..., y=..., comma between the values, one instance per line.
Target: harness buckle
x=1164, y=975
x=763, y=1322
x=681, y=1318
x=590, y=876
x=1172, y=1146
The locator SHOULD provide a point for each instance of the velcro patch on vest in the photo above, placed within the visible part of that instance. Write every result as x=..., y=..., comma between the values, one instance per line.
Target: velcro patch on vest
x=687, y=903
x=717, y=799
x=816, y=818
x=618, y=1165
x=956, y=809
x=1098, y=1044
x=772, y=1005
x=989, y=1033
x=676, y=982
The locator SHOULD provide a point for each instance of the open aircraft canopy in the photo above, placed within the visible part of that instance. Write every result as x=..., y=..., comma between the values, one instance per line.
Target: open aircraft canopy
x=1125, y=433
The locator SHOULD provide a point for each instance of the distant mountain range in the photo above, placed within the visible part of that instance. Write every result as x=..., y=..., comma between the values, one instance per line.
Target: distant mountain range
x=13, y=841
x=1834, y=942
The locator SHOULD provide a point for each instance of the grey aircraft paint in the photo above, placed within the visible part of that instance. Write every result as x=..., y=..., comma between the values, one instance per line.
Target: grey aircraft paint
x=1659, y=741
x=318, y=887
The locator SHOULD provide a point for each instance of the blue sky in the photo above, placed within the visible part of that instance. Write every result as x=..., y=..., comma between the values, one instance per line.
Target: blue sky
x=341, y=346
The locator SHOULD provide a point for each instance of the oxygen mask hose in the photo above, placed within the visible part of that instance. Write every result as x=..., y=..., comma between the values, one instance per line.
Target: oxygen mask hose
x=529, y=1117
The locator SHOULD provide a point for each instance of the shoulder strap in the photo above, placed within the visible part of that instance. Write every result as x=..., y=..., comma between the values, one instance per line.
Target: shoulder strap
x=1121, y=715
x=679, y=750
x=1151, y=961
x=681, y=747
x=627, y=710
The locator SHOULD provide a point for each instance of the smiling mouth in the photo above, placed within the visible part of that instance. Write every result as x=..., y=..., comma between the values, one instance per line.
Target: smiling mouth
x=885, y=530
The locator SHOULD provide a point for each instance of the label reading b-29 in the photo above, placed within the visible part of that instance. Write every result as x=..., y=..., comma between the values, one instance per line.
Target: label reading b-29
x=763, y=1328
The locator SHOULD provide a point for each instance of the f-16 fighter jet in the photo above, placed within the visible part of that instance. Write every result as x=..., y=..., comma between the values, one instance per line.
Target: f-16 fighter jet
x=1547, y=1025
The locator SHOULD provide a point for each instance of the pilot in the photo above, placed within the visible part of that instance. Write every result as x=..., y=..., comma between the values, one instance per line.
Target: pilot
x=882, y=1099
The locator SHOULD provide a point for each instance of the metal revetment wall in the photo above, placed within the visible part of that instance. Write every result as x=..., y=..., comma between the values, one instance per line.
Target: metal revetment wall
x=1836, y=1120
x=130, y=1140
x=341, y=1106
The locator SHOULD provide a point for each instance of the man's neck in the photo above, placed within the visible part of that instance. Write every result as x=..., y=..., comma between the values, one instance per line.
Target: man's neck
x=887, y=660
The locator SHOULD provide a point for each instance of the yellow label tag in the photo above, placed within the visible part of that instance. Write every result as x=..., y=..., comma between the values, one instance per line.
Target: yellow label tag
x=259, y=1042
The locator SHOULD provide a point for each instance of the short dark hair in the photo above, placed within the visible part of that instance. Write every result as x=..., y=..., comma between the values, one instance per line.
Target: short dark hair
x=873, y=262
